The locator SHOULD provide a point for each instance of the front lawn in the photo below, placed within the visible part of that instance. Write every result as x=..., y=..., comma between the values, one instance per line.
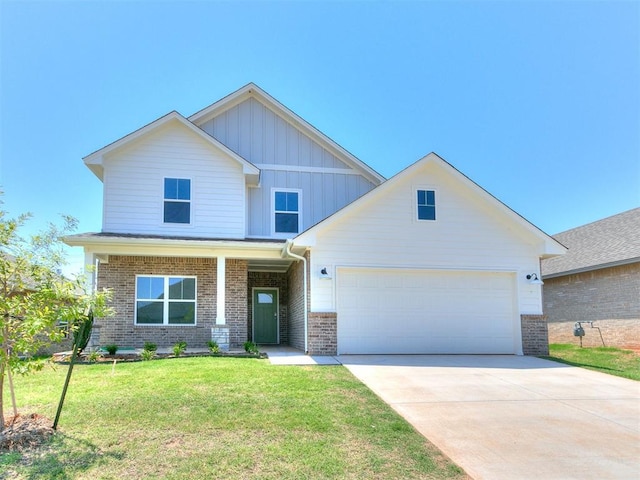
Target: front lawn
x=219, y=418
x=611, y=360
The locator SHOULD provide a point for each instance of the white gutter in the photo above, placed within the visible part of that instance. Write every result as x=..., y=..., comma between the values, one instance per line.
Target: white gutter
x=304, y=283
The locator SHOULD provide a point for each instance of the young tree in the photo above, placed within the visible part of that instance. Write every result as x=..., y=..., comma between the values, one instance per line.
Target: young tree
x=35, y=297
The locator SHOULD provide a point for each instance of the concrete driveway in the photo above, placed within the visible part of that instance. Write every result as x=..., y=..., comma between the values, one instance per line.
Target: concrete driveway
x=509, y=417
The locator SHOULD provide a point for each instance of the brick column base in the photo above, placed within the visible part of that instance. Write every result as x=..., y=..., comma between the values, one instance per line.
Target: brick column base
x=535, y=335
x=323, y=333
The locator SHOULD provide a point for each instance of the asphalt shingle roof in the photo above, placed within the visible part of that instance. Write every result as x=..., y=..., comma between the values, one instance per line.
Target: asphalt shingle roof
x=611, y=241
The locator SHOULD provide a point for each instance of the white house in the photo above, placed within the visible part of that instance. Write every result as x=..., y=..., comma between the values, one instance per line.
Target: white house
x=244, y=222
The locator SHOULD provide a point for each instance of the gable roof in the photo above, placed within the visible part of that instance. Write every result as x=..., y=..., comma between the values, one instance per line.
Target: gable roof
x=251, y=90
x=605, y=243
x=95, y=160
x=551, y=246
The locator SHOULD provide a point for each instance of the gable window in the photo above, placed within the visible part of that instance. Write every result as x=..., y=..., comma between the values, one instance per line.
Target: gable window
x=286, y=211
x=426, y=205
x=166, y=300
x=177, y=200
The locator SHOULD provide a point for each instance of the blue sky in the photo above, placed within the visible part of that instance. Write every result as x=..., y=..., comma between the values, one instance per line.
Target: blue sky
x=537, y=102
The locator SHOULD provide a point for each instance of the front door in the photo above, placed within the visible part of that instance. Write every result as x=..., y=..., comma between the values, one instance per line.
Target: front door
x=265, y=315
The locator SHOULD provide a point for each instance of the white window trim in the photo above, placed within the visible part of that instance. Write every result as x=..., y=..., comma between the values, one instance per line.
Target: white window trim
x=415, y=203
x=166, y=301
x=273, y=212
x=191, y=203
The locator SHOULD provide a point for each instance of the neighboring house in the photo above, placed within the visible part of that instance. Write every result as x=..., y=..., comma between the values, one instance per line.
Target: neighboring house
x=244, y=222
x=598, y=280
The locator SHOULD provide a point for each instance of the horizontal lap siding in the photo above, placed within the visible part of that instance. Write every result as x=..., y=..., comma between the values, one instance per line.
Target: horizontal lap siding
x=133, y=186
x=467, y=235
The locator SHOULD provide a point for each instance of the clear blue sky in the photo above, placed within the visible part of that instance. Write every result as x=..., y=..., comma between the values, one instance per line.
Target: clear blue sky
x=538, y=102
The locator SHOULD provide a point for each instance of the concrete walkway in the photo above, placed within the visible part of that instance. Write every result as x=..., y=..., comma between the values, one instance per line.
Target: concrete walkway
x=283, y=355
x=510, y=417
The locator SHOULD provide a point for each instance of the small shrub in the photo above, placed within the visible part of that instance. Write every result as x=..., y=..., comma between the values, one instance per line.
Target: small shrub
x=250, y=347
x=111, y=348
x=179, y=348
x=93, y=356
x=148, y=354
x=150, y=347
x=213, y=346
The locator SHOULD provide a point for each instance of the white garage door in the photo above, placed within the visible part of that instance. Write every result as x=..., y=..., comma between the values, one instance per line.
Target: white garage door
x=426, y=311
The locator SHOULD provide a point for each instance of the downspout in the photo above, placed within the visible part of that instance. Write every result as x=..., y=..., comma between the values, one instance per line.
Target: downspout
x=304, y=285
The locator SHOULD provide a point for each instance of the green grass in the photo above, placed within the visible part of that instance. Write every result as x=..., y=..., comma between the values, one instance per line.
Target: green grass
x=614, y=361
x=219, y=418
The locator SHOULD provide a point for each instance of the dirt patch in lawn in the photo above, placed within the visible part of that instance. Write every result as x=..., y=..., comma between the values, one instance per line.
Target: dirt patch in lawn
x=25, y=432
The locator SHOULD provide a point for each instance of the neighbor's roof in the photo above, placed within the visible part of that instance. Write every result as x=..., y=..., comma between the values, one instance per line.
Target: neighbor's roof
x=606, y=243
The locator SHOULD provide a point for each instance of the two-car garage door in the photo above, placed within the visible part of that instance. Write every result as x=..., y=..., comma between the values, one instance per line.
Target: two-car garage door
x=426, y=311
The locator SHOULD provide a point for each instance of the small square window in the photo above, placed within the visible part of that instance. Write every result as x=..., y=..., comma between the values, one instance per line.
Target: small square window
x=426, y=205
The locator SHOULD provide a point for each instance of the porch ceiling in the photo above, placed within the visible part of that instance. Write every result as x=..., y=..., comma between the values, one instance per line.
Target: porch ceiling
x=270, y=265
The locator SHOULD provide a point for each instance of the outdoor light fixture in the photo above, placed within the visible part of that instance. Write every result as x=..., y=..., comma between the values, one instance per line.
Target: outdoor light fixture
x=534, y=280
x=324, y=273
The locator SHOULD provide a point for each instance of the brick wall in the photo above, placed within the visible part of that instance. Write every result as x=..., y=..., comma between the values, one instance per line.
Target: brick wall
x=120, y=276
x=296, y=304
x=535, y=340
x=236, y=301
x=609, y=297
x=323, y=333
x=270, y=280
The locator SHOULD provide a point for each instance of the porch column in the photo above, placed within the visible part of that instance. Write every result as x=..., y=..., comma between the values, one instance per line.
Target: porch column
x=221, y=287
x=90, y=272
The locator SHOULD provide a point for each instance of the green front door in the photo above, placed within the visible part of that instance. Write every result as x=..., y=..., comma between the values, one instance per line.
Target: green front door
x=265, y=315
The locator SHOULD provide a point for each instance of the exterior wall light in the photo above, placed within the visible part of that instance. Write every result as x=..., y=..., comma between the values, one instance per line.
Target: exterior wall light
x=534, y=280
x=324, y=273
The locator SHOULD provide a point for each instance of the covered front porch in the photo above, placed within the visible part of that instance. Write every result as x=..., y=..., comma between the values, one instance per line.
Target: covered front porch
x=245, y=290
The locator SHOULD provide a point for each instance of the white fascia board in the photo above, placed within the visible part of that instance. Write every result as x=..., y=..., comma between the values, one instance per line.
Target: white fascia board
x=176, y=247
x=252, y=90
x=95, y=160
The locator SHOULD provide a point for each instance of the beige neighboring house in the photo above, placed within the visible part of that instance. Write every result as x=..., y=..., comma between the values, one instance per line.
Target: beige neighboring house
x=598, y=280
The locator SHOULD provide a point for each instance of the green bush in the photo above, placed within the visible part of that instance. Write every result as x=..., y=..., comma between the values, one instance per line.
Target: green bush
x=250, y=347
x=213, y=346
x=150, y=347
x=179, y=348
x=148, y=354
x=111, y=349
x=93, y=356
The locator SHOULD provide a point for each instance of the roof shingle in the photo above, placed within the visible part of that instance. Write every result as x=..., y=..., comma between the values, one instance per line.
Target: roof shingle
x=611, y=241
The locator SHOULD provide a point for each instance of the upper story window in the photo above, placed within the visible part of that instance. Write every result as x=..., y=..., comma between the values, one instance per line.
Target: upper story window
x=286, y=211
x=164, y=300
x=426, y=205
x=177, y=200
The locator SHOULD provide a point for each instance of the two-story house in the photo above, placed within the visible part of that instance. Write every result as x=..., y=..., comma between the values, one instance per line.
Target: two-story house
x=244, y=222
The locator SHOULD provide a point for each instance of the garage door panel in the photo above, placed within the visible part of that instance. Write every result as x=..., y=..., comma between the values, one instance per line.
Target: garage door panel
x=399, y=311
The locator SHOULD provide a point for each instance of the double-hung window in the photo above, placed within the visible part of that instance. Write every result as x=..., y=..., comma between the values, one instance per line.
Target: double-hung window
x=165, y=300
x=286, y=211
x=426, y=205
x=177, y=200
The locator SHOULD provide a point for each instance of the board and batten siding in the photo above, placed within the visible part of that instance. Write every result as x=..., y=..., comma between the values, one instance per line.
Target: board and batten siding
x=287, y=159
x=468, y=235
x=134, y=186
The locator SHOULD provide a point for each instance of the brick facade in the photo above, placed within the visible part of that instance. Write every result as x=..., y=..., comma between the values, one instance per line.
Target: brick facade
x=535, y=339
x=296, y=304
x=270, y=280
x=609, y=297
x=120, y=276
x=323, y=333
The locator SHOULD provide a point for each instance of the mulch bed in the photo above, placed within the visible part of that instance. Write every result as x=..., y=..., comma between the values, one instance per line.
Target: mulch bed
x=25, y=432
x=63, y=358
